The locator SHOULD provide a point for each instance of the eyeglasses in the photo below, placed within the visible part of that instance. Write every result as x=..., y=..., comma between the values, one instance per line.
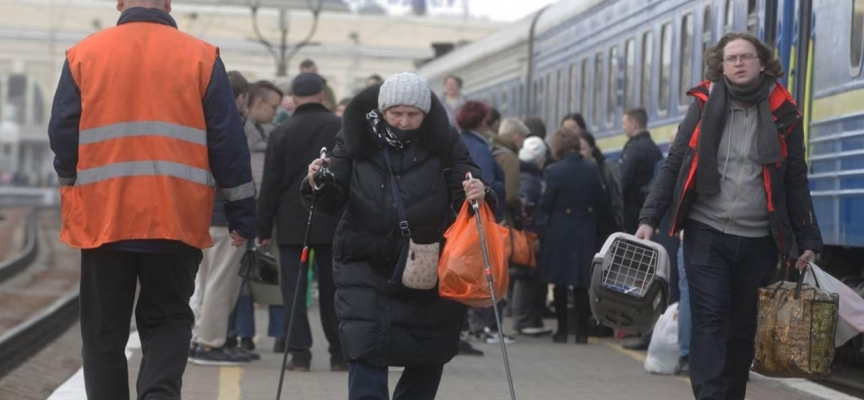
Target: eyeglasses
x=743, y=57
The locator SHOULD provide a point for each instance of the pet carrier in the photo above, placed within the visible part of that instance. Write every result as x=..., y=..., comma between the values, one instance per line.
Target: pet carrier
x=629, y=284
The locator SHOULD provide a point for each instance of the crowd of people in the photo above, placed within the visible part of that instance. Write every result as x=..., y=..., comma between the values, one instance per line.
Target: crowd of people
x=137, y=177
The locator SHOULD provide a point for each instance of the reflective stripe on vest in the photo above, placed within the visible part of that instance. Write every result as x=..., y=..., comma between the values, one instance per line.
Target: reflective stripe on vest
x=139, y=168
x=144, y=128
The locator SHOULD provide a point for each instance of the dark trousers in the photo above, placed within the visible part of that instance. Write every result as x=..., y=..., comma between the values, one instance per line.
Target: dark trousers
x=162, y=316
x=529, y=298
x=583, y=309
x=301, y=334
x=366, y=382
x=724, y=273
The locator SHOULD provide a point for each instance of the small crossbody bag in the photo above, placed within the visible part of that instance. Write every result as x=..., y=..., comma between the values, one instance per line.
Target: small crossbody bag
x=418, y=263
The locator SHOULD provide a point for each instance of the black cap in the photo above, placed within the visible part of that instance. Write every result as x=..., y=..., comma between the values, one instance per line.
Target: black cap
x=307, y=84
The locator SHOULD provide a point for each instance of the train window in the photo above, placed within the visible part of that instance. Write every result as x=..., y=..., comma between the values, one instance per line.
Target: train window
x=686, y=58
x=856, y=42
x=730, y=16
x=505, y=106
x=707, y=30
x=598, y=89
x=665, y=66
x=571, y=101
x=752, y=17
x=612, y=88
x=647, y=53
x=629, y=68
x=562, y=97
x=583, y=86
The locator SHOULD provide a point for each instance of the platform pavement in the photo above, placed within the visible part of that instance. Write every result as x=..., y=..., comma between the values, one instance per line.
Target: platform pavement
x=542, y=370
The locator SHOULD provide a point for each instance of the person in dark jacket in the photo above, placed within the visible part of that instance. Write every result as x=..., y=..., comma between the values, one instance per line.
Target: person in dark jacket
x=529, y=291
x=736, y=182
x=573, y=192
x=217, y=284
x=610, y=218
x=292, y=146
x=638, y=158
x=382, y=322
x=472, y=119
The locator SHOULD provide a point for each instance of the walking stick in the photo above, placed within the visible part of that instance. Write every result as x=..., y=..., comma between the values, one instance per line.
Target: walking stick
x=323, y=176
x=476, y=206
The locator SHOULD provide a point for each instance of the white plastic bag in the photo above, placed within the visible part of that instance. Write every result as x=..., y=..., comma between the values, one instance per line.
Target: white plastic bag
x=851, y=321
x=663, y=350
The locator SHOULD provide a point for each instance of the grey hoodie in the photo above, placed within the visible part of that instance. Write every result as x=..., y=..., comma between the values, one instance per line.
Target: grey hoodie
x=741, y=207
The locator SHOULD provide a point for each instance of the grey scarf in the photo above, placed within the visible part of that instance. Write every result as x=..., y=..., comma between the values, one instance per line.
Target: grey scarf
x=714, y=116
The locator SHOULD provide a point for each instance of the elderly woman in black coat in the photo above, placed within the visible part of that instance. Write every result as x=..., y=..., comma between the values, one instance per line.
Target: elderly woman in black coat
x=396, y=132
x=573, y=192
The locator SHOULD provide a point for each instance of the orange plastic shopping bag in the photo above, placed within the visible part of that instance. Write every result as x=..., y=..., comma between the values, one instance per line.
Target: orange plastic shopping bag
x=461, y=272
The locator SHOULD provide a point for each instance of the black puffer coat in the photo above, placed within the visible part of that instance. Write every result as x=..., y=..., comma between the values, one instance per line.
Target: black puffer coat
x=379, y=324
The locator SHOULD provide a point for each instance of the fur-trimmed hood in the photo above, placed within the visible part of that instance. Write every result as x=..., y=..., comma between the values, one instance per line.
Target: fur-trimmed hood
x=361, y=142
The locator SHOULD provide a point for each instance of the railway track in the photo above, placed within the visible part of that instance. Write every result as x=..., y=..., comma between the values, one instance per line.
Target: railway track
x=38, y=292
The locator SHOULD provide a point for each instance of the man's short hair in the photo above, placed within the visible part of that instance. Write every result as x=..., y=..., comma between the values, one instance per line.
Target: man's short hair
x=259, y=90
x=307, y=63
x=493, y=117
x=513, y=126
x=375, y=77
x=455, y=78
x=239, y=84
x=639, y=116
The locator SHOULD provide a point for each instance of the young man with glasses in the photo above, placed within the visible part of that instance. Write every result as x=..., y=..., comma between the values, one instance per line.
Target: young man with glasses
x=736, y=182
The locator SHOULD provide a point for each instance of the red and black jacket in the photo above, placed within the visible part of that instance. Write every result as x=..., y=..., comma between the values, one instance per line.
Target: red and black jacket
x=790, y=207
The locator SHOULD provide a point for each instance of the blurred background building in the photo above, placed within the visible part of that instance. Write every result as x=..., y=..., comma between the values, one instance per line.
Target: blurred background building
x=348, y=40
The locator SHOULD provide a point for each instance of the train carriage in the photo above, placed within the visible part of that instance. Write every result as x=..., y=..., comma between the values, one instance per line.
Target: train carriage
x=601, y=57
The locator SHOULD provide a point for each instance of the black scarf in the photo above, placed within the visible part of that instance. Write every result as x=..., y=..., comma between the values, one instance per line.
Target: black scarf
x=388, y=134
x=714, y=116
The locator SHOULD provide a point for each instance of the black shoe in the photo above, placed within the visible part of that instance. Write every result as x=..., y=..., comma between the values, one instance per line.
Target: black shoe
x=639, y=344
x=251, y=355
x=192, y=350
x=581, y=339
x=465, y=349
x=560, y=337
x=247, y=344
x=231, y=341
x=217, y=357
x=291, y=366
x=279, y=345
x=339, y=367
x=683, y=367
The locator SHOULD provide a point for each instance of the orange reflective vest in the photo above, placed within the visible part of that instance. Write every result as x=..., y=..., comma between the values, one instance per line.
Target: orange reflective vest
x=143, y=168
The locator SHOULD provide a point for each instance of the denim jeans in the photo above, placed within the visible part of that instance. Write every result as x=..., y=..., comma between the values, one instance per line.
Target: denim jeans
x=241, y=323
x=724, y=273
x=683, y=308
x=366, y=382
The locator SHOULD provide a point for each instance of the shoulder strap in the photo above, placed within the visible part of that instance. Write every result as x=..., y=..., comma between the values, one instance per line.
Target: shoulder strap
x=397, y=197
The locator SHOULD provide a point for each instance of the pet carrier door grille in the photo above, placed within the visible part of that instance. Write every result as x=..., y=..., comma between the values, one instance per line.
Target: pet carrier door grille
x=629, y=268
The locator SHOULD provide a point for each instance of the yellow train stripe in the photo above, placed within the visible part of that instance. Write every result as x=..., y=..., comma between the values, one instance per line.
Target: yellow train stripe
x=808, y=99
x=660, y=134
x=838, y=105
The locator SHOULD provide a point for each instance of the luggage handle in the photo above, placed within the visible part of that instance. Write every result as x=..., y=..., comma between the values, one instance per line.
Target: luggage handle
x=800, y=283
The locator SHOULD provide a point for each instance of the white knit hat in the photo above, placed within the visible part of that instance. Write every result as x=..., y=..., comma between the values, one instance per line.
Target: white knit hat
x=405, y=89
x=533, y=148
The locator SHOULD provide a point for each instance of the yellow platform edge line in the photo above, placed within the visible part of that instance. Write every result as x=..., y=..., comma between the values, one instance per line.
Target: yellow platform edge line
x=229, y=383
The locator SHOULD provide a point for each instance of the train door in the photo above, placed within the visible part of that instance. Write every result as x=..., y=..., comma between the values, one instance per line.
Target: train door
x=801, y=63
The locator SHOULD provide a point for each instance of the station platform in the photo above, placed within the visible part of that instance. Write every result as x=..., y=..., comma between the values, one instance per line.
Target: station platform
x=542, y=370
